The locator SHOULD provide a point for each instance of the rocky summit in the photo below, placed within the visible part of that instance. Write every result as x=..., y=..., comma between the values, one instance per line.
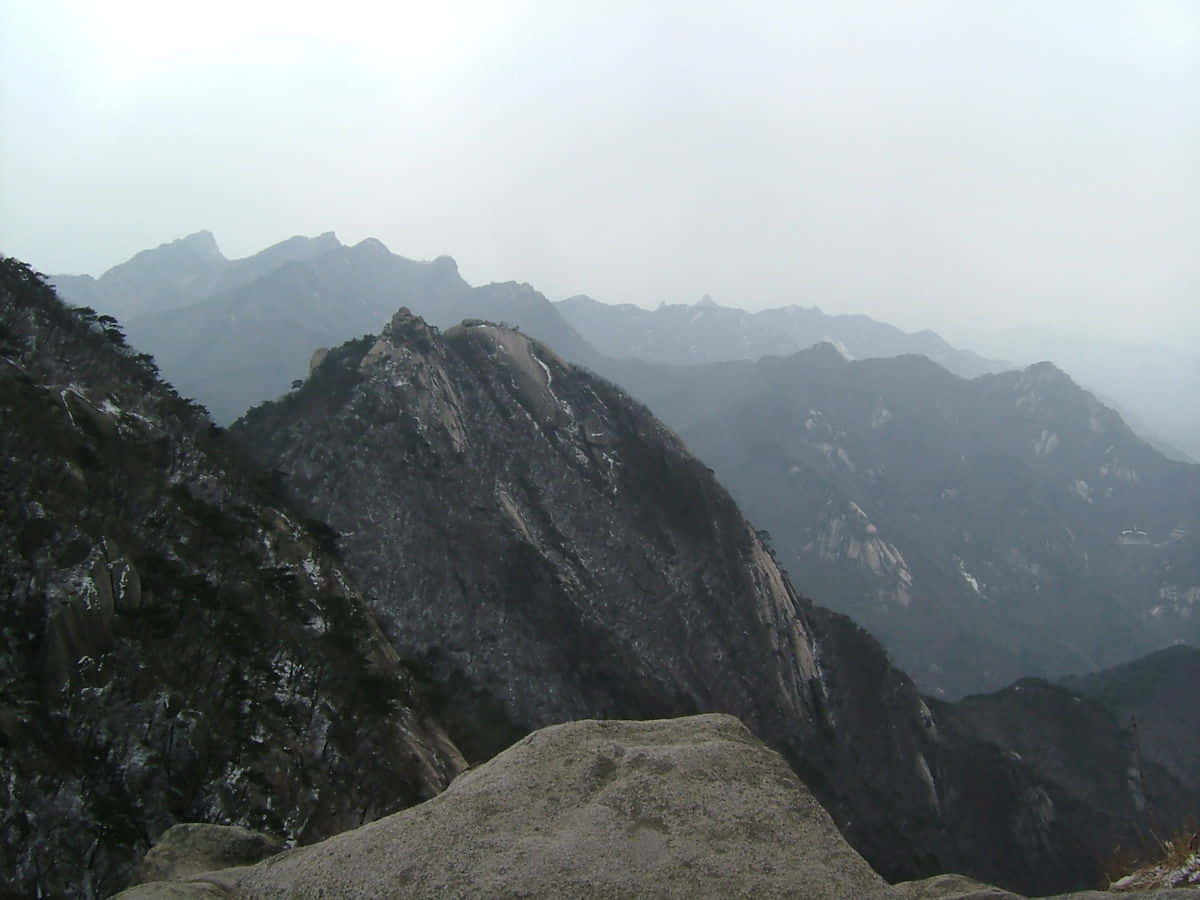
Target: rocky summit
x=673, y=808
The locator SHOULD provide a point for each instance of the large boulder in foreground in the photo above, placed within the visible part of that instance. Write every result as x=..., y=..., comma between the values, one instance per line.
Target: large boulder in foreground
x=691, y=807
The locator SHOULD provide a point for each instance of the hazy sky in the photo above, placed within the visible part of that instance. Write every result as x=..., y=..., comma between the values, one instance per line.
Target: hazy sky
x=948, y=164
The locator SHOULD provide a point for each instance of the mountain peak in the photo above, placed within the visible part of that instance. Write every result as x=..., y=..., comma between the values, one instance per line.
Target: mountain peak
x=445, y=265
x=1047, y=370
x=200, y=242
x=707, y=302
x=372, y=245
x=825, y=352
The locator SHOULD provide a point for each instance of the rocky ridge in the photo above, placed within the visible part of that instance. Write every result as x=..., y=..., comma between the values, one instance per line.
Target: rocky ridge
x=706, y=332
x=544, y=547
x=232, y=333
x=178, y=643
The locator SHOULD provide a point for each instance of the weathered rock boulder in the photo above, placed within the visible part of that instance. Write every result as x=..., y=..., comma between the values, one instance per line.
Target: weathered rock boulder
x=952, y=887
x=192, y=848
x=691, y=807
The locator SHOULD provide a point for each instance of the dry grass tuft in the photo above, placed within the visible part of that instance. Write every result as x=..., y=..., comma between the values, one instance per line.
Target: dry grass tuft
x=1176, y=863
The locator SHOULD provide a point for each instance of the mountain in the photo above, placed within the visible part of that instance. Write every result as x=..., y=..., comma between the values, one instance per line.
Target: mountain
x=1154, y=386
x=678, y=334
x=183, y=638
x=178, y=643
x=235, y=333
x=985, y=530
x=1155, y=694
x=546, y=550
x=167, y=277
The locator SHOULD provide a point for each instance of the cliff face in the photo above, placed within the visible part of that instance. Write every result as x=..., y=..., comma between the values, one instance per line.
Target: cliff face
x=177, y=644
x=546, y=550
x=532, y=535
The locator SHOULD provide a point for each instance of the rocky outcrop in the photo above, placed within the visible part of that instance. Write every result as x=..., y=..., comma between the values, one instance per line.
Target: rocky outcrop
x=692, y=807
x=178, y=644
x=191, y=848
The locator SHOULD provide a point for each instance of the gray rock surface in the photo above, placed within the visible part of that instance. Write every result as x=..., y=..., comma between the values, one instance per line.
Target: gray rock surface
x=691, y=807
x=194, y=847
x=952, y=887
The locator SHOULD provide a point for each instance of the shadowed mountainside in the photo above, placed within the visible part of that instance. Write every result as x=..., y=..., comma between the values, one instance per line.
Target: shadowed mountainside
x=178, y=644
x=986, y=530
x=545, y=547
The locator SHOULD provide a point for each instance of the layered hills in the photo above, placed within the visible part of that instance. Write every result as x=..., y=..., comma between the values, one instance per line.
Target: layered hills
x=232, y=333
x=547, y=550
x=178, y=643
x=984, y=529
x=536, y=547
x=704, y=332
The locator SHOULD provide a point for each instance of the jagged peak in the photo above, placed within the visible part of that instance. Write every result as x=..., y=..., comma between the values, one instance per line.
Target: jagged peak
x=201, y=241
x=198, y=243
x=707, y=302
x=1046, y=369
x=404, y=325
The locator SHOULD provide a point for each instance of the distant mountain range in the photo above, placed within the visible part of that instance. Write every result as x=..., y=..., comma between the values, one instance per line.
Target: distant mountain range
x=185, y=638
x=707, y=332
x=232, y=333
x=984, y=529
x=1153, y=387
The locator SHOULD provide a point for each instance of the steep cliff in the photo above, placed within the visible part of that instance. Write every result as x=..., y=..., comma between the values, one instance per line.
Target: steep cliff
x=177, y=643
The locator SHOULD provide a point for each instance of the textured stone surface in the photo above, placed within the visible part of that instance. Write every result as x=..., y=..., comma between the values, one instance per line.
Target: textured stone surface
x=693, y=807
x=952, y=887
x=190, y=848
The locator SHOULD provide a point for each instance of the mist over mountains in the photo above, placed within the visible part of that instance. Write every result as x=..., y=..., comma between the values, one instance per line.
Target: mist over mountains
x=537, y=546
x=987, y=529
x=984, y=530
x=233, y=333
x=708, y=332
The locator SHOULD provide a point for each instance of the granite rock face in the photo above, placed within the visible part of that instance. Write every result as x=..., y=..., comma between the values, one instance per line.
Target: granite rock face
x=693, y=807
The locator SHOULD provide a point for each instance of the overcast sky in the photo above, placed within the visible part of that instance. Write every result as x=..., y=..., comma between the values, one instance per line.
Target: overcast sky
x=956, y=165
